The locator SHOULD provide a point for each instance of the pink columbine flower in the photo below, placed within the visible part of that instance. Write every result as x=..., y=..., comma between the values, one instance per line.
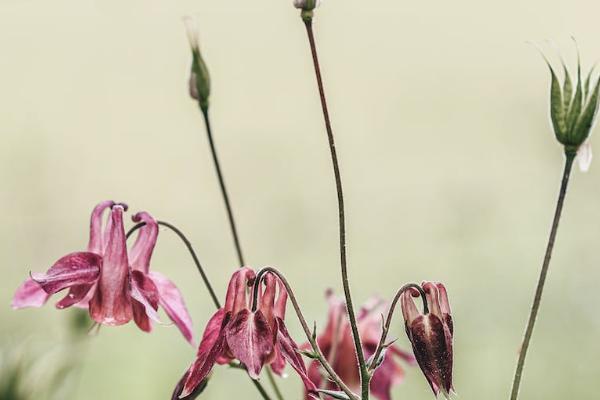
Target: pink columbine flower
x=113, y=283
x=338, y=348
x=254, y=337
x=431, y=335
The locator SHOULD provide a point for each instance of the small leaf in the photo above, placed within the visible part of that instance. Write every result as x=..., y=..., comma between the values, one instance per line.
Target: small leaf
x=380, y=359
x=557, y=110
x=575, y=108
x=567, y=88
x=586, y=89
x=309, y=354
x=336, y=394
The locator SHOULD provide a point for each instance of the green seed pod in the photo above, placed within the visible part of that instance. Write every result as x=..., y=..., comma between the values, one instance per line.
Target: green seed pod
x=199, y=83
x=573, y=114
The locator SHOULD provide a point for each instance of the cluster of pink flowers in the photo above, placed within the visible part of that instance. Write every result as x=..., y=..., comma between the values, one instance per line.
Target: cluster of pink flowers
x=116, y=285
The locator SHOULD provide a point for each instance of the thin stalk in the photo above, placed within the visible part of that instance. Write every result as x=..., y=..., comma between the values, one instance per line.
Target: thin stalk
x=311, y=336
x=207, y=283
x=187, y=243
x=364, y=374
x=273, y=383
x=388, y=321
x=570, y=157
x=215, y=157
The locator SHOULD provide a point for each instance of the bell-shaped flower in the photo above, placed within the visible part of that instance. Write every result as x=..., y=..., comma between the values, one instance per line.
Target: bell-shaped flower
x=430, y=334
x=114, y=284
x=338, y=348
x=199, y=82
x=254, y=337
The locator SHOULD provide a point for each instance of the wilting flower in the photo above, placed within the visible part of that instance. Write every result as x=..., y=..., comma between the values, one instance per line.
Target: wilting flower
x=199, y=83
x=431, y=335
x=573, y=113
x=254, y=337
x=115, y=286
x=307, y=4
x=338, y=348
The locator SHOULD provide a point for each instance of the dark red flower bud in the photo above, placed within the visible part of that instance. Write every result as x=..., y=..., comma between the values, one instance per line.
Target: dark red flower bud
x=430, y=334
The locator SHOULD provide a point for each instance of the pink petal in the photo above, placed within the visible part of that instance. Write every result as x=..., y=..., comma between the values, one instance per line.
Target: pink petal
x=210, y=349
x=145, y=296
x=74, y=269
x=171, y=301
x=250, y=339
x=142, y=249
x=76, y=295
x=289, y=350
x=29, y=294
x=96, y=243
x=111, y=304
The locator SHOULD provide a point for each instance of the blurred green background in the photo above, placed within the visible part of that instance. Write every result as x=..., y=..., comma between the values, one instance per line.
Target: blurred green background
x=449, y=166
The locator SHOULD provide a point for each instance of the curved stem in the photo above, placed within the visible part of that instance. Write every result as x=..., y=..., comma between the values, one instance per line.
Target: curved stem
x=211, y=291
x=232, y=224
x=364, y=375
x=273, y=383
x=570, y=157
x=388, y=321
x=309, y=335
x=187, y=243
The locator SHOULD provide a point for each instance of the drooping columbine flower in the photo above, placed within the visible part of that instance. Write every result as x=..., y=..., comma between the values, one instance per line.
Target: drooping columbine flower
x=338, y=348
x=254, y=337
x=199, y=83
x=573, y=114
x=307, y=5
x=115, y=286
x=431, y=335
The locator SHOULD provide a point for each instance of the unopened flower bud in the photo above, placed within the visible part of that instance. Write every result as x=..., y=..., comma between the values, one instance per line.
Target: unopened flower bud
x=306, y=5
x=573, y=112
x=199, y=82
x=430, y=334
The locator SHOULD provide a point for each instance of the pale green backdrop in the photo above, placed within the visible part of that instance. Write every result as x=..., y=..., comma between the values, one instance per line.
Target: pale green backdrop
x=449, y=165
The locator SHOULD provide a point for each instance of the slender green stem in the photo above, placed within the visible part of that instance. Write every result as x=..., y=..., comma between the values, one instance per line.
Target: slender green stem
x=364, y=374
x=215, y=157
x=311, y=336
x=273, y=382
x=388, y=320
x=207, y=283
x=570, y=157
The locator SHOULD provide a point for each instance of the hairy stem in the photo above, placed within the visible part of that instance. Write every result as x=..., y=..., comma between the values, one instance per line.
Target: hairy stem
x=364, y=374
x=215, y=157
x=388, y=320
x=309, y=335
x=570, y=157
x=207, y=283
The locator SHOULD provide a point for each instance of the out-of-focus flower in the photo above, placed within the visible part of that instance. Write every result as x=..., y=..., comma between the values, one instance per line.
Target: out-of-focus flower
x=573, y=112
x=254, y=337
x=431, y=335
x=199, y=83
x=115, y=286
x=307, y=5
x=338, y=348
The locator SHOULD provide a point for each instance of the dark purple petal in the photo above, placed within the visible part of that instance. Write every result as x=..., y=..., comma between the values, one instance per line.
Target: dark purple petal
x=179, y=388
x=29, y=294
x=71, y=270
x=96, y=243
x=142, y=249
x=171, y=301
x=428, y=337
x=289, y=349
x=251, y=340
x=111, y=304
x=211, y=347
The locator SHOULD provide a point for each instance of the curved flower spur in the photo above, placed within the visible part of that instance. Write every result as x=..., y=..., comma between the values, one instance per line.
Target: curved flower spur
x=430, y=334
x=250, y=329
x=115, y=284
